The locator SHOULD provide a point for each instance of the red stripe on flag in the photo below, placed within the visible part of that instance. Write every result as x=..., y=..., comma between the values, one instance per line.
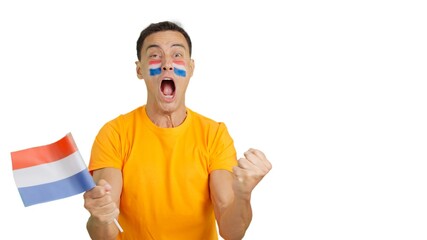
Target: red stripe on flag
x=154, y=62
x=179, y=62
x=44, y=154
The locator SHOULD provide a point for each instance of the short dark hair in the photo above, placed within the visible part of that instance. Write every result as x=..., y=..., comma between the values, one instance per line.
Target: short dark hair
x=160, y=27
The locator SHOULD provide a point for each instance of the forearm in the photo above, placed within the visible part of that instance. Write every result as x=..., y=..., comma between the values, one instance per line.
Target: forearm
x=235, y=220
x=98, y=230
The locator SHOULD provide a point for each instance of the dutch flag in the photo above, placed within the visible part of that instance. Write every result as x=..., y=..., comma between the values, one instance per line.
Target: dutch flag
x=50, y=172
x=179, y=68
x=155, y=67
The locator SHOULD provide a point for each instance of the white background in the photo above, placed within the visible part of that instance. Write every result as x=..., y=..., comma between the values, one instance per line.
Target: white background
x=334, y=92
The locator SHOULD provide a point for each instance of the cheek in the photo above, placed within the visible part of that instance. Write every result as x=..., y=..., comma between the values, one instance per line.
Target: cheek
x=150, y=84
x=141, y=71
x=183, y=84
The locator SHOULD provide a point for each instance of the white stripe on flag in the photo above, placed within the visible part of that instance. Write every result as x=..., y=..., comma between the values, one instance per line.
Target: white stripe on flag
x=49, y=172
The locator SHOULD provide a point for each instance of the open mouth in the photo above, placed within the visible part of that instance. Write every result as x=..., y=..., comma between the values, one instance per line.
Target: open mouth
x=167, y=87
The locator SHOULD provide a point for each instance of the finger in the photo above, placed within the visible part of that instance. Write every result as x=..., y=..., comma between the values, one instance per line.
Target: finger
x=262, y=157
x=99, y=191
x=257, y=152
x=104, y=184
x=243, y=163
x=104, y=201
x=105, y=214
x=257, y=159
x=97, y=197
x=94, y=193
x=100, y=206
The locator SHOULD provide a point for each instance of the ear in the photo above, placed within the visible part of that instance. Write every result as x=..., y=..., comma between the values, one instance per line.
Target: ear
x=191, y=67
x=139, y=71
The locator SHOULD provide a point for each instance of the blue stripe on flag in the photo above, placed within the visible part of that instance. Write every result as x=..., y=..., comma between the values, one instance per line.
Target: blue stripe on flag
x=155, y=71
x=67, y=187
x=180, y=72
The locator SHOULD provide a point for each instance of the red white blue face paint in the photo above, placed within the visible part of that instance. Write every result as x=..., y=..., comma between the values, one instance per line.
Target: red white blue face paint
x=155, y=67
x=179, y=68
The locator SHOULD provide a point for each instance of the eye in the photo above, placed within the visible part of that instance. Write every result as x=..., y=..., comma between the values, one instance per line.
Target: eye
x=178, y=55
x=154, y=54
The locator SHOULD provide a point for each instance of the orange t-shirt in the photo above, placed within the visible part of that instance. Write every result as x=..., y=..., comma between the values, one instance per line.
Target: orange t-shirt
x=166, y=171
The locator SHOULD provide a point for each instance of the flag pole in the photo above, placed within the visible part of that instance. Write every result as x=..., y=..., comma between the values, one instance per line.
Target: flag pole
x=118, y=225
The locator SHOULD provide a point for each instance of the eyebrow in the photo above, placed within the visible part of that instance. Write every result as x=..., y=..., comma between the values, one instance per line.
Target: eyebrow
x=157, y=46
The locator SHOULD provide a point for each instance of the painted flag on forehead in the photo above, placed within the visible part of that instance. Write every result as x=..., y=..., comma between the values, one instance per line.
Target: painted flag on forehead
x=179, y=68
x=155, y=67
x=50, y=172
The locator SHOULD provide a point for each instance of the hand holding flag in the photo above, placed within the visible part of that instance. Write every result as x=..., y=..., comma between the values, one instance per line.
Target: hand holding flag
x=51, y=172
x=99, y=203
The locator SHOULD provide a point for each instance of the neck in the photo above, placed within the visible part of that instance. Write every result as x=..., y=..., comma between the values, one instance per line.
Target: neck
x=165, y=119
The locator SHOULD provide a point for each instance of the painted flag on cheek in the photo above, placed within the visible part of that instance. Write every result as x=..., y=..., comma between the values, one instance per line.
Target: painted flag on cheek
x=155, y=67
x=50, y=172
x=179, y=68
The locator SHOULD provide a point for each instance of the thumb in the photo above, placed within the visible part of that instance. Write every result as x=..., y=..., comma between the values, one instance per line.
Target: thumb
x=105, y=184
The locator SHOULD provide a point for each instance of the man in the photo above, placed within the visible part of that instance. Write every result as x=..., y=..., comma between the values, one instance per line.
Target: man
x=163, y=170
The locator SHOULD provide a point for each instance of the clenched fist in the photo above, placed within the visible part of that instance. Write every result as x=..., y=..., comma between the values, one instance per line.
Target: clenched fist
x=249, y=172
x=99, y=203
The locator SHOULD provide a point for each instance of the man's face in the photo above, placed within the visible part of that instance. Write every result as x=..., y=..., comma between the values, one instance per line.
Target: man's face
x=166, y=68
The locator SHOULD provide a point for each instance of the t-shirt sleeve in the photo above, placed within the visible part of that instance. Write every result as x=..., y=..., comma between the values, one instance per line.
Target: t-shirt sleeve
x=106, y=149
x=222, y=152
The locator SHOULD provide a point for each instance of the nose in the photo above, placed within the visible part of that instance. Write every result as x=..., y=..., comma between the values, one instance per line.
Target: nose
x=167, y=66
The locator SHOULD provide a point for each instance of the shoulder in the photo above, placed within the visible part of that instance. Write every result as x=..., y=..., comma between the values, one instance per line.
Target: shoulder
x=208, y=125
x=126, y=117
x=120, y=123
x=204, y=120
x=131, y=115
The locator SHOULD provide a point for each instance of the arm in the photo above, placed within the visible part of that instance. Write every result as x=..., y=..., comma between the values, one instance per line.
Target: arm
x=233, y=214
x=102, y=203
x=231, y=193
